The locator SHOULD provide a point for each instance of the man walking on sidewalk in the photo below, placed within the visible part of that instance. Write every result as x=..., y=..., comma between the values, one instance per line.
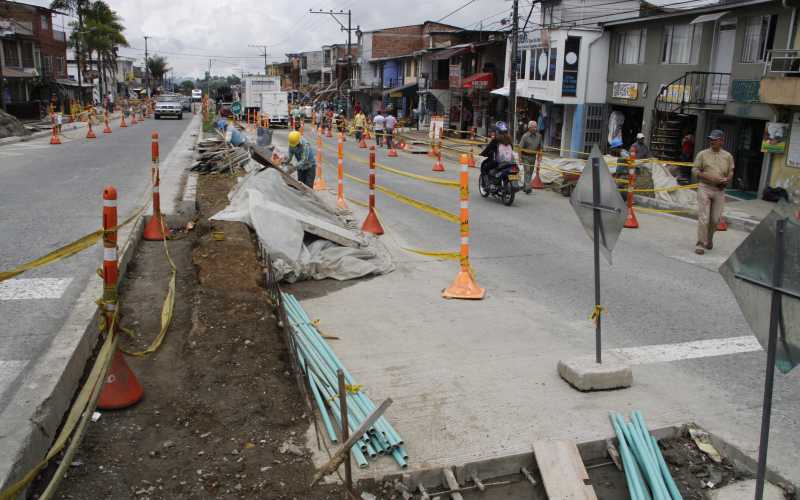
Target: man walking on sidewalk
x=378, y=124
x=714, y=170
x=389, y=124
x=300, y=149
x=530, y=142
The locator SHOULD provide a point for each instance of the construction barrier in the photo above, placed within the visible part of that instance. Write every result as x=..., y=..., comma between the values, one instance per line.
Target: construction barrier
x=121, y=388
x=630, y=220
x=371, y=223
x=537, y=183
x=340, y=202
x=319, y=178
x=464, y=286
x=154, y=230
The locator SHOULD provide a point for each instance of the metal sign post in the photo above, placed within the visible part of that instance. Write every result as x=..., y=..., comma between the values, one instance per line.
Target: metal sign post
x=764, y=274
x=607, y=218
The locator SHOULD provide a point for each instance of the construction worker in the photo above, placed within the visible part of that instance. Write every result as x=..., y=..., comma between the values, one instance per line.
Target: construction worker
x=639, y=147
x=378, y=124
x=301, y=150
x=714, y=170
x=360, y=123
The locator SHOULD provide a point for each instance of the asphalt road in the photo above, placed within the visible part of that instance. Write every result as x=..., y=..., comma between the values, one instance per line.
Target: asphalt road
x=657, y=292
x=50, y=196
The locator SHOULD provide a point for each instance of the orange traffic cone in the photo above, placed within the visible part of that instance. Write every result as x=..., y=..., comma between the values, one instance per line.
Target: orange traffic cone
x=722, y=225
x=133, y=119
x=438, y=166
x=471, y=158
x=363, y=142
x=392, y=152
x=154, y=230
x=122, y=123
x=319, y=179
x=371, y=223
x=464, y=286
x=107, y=129
x=54, y=136
x=367, y=135
x=121, y=388
x=90, y=133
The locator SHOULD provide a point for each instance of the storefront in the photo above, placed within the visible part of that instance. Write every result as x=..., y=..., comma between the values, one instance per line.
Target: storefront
x=477, y=100
x=624, y=122
x=401, y=100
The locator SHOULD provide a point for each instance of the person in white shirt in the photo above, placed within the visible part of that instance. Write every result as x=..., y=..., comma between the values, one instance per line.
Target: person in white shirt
x=379, y=123
x=389, y=124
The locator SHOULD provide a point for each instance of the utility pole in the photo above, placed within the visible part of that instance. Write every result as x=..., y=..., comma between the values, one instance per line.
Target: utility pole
x=264, y=48
x=349, y=29
x=79, y=11
x=208, y=80
x=146, y=69
x=512, y=86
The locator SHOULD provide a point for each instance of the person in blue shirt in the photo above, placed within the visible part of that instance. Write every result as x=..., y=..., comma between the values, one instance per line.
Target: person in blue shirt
x=301, y=151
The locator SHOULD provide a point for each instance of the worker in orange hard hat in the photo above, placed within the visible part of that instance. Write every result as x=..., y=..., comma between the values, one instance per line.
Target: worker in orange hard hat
x=300, y=149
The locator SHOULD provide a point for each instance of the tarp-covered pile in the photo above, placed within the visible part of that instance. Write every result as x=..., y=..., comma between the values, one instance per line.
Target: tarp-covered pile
x=305, y=238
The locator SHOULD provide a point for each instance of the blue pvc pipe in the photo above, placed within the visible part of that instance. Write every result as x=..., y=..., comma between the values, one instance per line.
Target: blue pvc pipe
x=652, y=452
x=636, y=486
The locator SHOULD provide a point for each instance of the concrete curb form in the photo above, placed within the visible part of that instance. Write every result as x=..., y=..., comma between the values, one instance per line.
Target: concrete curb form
x=51, y=384
x=739, y=223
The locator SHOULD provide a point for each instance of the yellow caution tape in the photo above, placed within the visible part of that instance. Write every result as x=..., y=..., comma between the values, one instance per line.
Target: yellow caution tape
x=353, y=388
x=434, y=254
x=68, y=250
x=438, y=212
x=433, y=180
x=78, y=415
x=596, y=312
x=659, y=211
x=167, y=307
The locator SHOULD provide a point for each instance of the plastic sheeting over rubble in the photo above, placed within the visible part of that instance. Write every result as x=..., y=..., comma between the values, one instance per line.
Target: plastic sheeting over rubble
x=281, y=216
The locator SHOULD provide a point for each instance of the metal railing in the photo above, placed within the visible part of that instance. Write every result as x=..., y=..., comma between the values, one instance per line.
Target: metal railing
x=783, y=61
x=694, y=89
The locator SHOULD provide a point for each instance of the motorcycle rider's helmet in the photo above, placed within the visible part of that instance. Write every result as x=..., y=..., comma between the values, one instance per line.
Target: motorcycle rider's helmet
x=501, y=127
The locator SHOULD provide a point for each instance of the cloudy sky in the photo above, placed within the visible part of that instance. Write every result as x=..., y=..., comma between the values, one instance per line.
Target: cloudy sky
x=190, y=32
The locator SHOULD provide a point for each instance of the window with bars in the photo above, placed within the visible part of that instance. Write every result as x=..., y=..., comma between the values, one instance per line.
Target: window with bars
x=681, y=43
x=10, y=53
x=759, y=33
x=630, y=46
x=543, y=64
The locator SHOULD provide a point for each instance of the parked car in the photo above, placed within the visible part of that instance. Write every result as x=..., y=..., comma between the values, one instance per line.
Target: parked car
x=168, y=106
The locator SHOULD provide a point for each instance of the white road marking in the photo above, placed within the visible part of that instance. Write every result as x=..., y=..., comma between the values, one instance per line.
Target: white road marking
x=663, y=353
x=33, y=288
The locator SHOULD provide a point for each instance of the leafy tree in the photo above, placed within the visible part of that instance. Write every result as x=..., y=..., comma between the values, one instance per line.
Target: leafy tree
x=157, y=66
x=187, y=86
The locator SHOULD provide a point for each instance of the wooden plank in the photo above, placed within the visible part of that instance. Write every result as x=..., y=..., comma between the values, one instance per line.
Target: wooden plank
x=563, y=473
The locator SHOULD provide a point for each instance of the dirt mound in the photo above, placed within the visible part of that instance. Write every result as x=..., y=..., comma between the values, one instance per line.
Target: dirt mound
x=10, y=126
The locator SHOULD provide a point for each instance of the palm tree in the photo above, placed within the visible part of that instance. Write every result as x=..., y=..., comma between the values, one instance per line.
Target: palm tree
x=104, y=36
x=157, y=66
x=76, y=7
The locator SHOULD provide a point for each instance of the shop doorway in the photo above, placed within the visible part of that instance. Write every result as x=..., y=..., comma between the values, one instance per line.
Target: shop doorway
x=743, y=141
x=631, y=124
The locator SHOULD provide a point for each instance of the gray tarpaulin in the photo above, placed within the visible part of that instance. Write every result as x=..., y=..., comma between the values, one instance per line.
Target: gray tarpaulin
x=283, y=217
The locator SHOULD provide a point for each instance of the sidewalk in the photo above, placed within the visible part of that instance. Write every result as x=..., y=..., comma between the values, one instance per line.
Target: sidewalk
x=65, y=127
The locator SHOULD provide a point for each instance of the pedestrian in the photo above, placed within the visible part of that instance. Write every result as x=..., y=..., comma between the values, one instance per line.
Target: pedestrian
x=639, y=147
x=714, y=170
x=300, y=149
x=529, y=145
x=359, y=122
x=687, y=151
x=378, y=124
x=390, y=122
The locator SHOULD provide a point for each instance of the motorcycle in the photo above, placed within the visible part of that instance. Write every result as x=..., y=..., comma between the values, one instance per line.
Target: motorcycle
x=503, y=181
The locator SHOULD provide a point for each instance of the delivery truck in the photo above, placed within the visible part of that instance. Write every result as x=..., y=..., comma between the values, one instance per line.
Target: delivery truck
x=254, y=85
x=276, y=106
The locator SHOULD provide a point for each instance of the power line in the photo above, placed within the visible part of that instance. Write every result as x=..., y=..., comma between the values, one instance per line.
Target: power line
x=458, y=9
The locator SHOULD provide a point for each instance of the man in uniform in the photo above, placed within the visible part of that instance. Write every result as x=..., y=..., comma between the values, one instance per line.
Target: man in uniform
x=714, y=170
x=300, y=150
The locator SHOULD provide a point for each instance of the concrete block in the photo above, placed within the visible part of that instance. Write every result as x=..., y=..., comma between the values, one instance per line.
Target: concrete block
x=746, y=490
x=585, y=374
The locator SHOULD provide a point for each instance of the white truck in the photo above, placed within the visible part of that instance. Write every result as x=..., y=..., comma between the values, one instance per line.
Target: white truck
x=254, y=85
x=276, y=105
x=197, y=95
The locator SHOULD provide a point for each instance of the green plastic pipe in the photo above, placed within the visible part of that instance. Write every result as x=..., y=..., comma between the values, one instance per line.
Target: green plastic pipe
x=636, y=486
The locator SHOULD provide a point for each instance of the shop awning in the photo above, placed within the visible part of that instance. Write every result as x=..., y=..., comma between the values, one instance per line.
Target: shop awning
x=455, y=50
x=400, y=89
x=705, y=18
x=503, y=91
x=479, y=81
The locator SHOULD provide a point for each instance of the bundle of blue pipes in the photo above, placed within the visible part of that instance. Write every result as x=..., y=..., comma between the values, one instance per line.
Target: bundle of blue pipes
x=646, y=472
x=320, y=365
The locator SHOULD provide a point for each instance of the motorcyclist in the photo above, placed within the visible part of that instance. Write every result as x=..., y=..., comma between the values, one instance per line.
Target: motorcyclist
x=499, y=150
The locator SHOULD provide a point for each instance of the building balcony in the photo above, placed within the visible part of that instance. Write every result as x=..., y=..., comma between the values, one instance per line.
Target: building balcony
x=780, y=83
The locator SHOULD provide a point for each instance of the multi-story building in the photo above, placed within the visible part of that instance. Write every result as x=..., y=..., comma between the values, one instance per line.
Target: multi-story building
x=679, y=73
x=562, y=61
x=780, y=88
x=309, y=65
x=32, y=59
